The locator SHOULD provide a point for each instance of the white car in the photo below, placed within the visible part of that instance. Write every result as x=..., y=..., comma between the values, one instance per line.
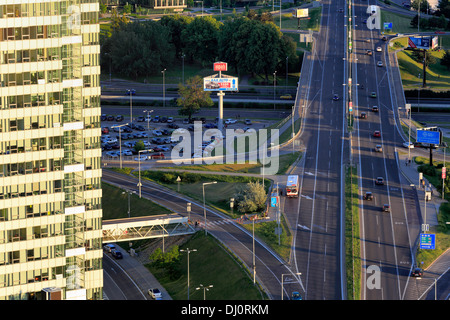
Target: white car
x=157, y=133
x=155, y=293
x=169, y=119
x=112, y=154
x=141, y=158
x=127, y=153
x=378, y=49
x=411, y=145
x=379, y=63
x=111, y=141
x=230, y=121
x=164, y=148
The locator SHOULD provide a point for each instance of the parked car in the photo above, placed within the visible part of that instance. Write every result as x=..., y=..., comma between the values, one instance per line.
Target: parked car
x=248, y=121
x=105, y=130
x=165, y=148
x=155, y=119
x=119, y=118
x=159, y=156
x=368, y=196
x=157, y=133
x=110, y=117
x=103, y=117
x=173, y=125
x=155, y=293
x=169, y=119
x=140, y=119
x=140, y=158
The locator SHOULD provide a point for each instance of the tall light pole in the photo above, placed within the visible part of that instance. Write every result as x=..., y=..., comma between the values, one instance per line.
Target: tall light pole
x=204, y=207
x=148, y=124
x=164, y=87
x=131, y=107
x=139, y=158
x=188, y=252
x=182, y=57
x=120, y=141
x=204, y=289
x=274, y=87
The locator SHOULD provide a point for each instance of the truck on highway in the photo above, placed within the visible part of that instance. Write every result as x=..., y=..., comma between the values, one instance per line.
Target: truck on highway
x=292, y=186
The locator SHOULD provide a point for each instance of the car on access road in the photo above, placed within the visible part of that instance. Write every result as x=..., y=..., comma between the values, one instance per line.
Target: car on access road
x=368, y=196
x=155, y=293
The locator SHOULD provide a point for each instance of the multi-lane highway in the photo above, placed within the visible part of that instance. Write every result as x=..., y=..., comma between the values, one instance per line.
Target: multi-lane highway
x=387, y=237
x=317, y=213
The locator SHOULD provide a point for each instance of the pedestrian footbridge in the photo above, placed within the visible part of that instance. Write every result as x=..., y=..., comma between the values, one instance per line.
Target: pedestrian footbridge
x=138, y=228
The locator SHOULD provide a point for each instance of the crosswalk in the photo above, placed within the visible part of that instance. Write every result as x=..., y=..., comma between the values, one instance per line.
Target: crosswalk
x=209, y=223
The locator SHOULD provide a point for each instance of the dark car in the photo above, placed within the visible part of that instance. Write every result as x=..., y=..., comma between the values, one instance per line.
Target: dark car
x=386, y=208
x=173, y=125
x=140, y=119
x=417, y=273
x=119, y=118
x=363, y=115
x=130, y=92
x=103, y=117
x=368, y=196
x=335, y=97
x=375, y=109
x=117, y=254
x=379, y=181
x=110, y=118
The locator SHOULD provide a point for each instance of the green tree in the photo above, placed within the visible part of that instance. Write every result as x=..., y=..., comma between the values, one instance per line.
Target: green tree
x=176, y=24
x=200, y=39
x=251, y=198
x=192, y=97
x=445, y=61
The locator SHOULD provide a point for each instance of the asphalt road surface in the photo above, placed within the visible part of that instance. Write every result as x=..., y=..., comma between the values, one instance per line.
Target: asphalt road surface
x=387, y=237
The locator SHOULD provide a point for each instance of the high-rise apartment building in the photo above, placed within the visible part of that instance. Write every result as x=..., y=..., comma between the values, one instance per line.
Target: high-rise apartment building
x=50, y=152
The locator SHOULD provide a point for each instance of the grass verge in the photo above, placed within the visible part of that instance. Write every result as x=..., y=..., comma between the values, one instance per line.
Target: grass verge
x=211, y=264
x=352, y=238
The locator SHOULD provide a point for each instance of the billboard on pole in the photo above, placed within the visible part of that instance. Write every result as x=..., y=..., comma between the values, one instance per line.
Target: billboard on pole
x=428, y=136
x=422, y=42
x=220, y=84
x=300, y=13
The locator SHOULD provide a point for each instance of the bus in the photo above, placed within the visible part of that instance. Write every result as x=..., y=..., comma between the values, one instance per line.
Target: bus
x=292, y=186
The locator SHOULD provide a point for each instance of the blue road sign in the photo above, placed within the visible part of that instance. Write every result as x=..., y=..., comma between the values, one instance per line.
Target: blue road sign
x=427, y=241
x=428, y=136
x=273, y=201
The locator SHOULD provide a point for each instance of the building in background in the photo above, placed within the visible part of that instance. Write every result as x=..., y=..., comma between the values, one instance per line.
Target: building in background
x=50, y=152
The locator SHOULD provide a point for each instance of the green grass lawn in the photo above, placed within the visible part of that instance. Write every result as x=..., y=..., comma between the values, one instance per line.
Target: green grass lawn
x=289, y=22
x=213, y=265
x=115, y=204
x=438, y=76
x=400, y=23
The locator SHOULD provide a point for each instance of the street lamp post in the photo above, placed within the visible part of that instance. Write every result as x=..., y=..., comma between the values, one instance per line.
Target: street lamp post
x=164, y=87
x=204, y=207
x=274, y=87
x=188, y=252
x=182, y=57
x=139, y=160
x=148, y=125
x=120, y=141
x=204, y=289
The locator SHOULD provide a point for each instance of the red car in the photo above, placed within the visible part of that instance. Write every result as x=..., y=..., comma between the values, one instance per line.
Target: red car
x=159, y=156
x=377, y=134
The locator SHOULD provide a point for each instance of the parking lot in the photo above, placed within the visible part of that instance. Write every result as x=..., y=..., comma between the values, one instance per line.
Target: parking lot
x=155, y=132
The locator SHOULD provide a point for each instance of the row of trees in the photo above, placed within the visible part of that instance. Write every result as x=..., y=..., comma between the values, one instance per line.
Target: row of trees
x=251, y=44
